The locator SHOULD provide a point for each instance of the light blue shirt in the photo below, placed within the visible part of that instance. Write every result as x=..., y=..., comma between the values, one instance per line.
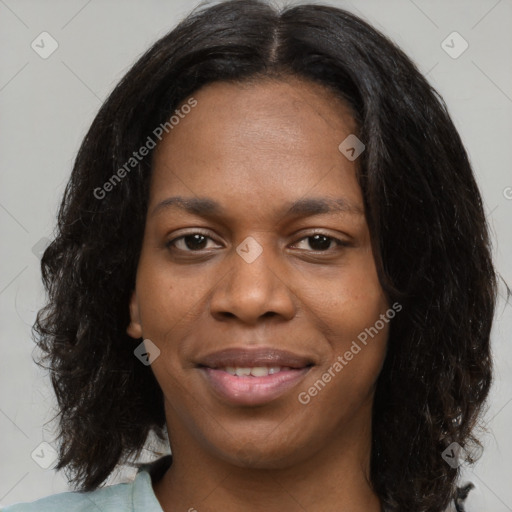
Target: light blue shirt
x=136, y=496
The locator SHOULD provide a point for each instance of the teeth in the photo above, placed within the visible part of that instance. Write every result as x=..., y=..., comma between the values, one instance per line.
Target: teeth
x=256, y=371
x=259, y=371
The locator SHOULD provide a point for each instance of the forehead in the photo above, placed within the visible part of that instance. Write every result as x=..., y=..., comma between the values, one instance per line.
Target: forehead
x=272, y=140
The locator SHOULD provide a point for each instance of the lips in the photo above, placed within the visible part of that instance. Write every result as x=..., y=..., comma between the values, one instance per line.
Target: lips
x=245, y=358
x=253, y=377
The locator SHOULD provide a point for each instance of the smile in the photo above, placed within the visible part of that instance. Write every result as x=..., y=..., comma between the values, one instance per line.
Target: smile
x=255, y=371
x=252, y=386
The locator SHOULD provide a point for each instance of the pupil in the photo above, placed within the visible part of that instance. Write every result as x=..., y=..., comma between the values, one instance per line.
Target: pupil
x=320, y=242
x=197, y=241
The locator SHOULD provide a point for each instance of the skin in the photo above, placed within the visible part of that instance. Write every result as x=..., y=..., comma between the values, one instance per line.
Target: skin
x=254, y=148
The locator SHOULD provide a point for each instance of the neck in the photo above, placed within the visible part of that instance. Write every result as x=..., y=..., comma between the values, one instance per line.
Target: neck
x=334, y=478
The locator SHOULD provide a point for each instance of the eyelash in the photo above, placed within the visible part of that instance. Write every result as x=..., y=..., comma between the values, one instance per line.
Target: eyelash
x=170, y=244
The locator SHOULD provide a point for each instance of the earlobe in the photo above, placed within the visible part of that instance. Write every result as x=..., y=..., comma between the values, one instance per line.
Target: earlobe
x=134, y=328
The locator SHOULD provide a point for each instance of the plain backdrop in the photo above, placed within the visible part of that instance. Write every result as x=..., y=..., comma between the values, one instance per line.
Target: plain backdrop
x=47, y=104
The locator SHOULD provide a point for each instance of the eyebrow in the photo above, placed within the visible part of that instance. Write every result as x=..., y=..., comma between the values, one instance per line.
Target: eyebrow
x=203, y=206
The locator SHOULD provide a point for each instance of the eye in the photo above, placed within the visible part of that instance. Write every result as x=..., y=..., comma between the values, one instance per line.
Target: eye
x=321, y=243
x=191, y=242
x=197, y=241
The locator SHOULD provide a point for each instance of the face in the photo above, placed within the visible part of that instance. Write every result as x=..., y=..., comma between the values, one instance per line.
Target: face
x=256, y=260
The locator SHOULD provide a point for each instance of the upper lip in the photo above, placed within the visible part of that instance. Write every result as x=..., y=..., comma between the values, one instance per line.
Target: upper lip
x=245, y=358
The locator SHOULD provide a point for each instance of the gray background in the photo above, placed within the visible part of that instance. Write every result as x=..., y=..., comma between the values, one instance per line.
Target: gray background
x=48, y=104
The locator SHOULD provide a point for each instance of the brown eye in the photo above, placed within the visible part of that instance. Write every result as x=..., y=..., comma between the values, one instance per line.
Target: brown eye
x=192, y=242
x=321, y=243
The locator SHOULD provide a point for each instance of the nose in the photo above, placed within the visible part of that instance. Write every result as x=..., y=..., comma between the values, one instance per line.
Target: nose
x=253, y=290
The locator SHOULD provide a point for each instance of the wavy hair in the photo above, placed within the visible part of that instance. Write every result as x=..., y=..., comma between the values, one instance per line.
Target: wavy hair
x=423, y=208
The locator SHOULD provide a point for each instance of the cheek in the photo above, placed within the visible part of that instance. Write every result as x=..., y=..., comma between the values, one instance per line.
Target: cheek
x=349, y=299
x=160, y=313
x=168, y=300
x=354, y=313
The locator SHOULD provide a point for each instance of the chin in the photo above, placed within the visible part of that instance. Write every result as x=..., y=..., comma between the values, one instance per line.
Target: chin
x=252, y=455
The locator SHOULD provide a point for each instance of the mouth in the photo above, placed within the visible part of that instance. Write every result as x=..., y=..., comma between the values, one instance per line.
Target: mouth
x=253, y=377
x=254, y=371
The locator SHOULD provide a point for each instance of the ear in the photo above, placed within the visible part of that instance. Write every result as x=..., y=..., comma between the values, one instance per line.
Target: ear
x=134, y=328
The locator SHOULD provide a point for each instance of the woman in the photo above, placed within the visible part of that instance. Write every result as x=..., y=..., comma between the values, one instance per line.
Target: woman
x=272, y=248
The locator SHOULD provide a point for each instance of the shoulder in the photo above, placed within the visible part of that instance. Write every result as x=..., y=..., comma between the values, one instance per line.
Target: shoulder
x=105, y=499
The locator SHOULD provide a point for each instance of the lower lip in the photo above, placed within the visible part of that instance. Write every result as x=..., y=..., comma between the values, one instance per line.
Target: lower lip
x=249, y=390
